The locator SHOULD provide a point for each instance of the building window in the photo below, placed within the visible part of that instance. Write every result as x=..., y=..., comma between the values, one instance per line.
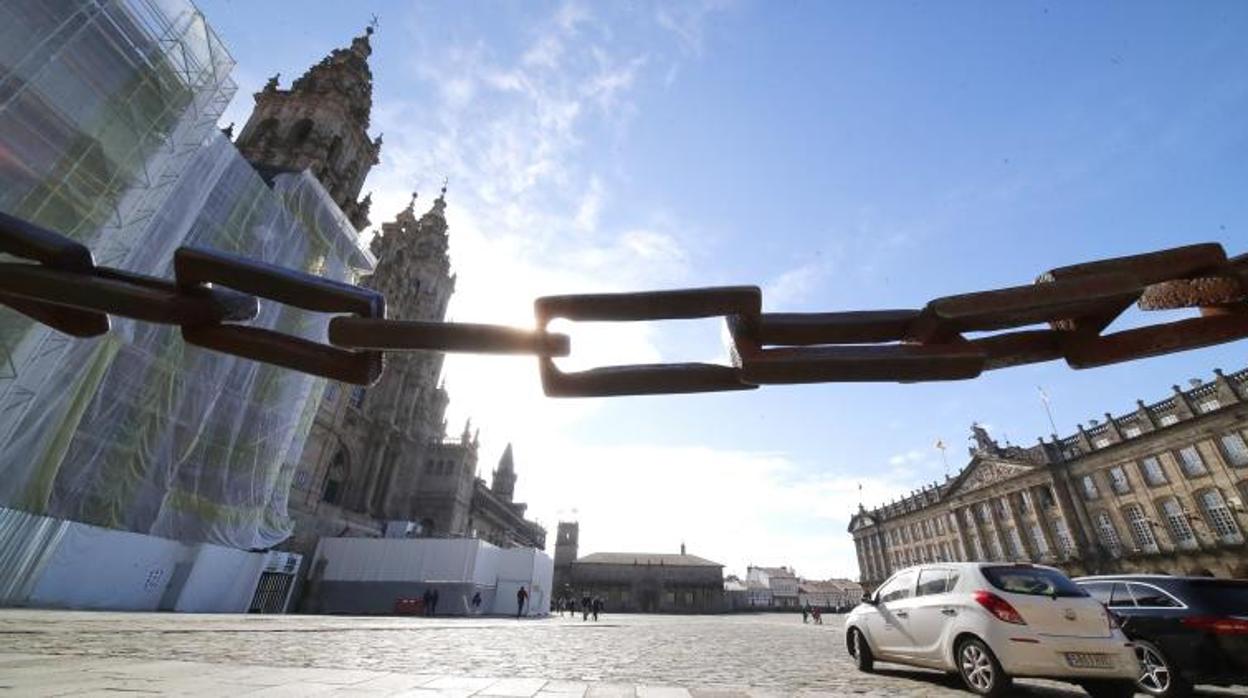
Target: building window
x=1219, y=516
x=939, y=522
x=301, y=130
x=1037, y=539
x=1118, y=480
x=1236, y=449
x=1108, y=534
x=981, y=512
x=1177, y=523
x=993, y=543
x=357, y=397
x=1154, y=474
x=1065, y=543
x=1191, y=462
x=331, y=392
x=1089, y=488
x=1131, y=431
x=1047, y=499
x=1141, y=528
x=1209, y=405
x=999, y=505
x=1101, y=442
x=335, y=478
x=1168, y=419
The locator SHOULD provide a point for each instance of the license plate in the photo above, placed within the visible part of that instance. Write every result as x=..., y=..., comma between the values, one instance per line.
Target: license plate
x=1089, y=660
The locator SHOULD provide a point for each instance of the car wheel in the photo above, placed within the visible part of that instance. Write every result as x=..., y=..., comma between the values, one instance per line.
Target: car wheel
x=980, y=670
x=1156, y=676
x=861, y=651
x=1109, y=689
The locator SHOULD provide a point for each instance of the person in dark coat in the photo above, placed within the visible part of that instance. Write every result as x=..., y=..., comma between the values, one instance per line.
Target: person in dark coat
x=597, y=604
x=521, y=597
x=476, y=602
x=427, y=597
x=433, y=609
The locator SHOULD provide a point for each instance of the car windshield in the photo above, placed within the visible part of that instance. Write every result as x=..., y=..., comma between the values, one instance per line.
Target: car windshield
x=1223, y=596
x=1038, y=581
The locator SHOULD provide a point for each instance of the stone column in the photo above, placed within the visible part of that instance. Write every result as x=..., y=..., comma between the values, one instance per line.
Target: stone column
x=1042, y=519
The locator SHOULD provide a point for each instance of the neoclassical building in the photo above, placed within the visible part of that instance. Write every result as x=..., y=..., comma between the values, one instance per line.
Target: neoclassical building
x=1158, y=489
x=378, y=460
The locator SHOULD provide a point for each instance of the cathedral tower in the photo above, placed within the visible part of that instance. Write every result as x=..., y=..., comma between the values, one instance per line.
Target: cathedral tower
x=320, y=124
x=504, y=482
x=408, y=402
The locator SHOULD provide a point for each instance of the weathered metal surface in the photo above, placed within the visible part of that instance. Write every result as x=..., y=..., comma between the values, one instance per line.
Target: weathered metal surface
x=412, y=335
x=214, y=291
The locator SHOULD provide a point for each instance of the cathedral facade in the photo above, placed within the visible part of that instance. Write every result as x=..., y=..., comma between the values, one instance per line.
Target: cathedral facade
x=378, y=461
x=1159, y=489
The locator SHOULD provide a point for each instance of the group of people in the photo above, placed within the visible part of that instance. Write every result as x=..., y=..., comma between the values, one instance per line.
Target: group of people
x=589, y=605
x=815, y=613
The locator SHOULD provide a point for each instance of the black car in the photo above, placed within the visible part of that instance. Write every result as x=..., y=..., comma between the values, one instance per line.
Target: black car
x=1187, y=630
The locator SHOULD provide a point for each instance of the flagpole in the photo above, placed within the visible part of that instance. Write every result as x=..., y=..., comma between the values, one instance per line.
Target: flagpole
x=1044, y=397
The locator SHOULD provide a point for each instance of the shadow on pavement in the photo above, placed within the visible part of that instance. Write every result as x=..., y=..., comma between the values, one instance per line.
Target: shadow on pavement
x=952, y=682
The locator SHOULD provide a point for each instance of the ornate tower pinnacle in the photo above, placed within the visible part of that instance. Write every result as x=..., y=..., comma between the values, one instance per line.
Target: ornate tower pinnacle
x=320, y=124
x=504, y=482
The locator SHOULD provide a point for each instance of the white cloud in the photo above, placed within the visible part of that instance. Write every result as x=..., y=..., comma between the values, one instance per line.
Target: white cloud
x=527, y=219
x=733, y=507
x=792, y=287
x=687, y=21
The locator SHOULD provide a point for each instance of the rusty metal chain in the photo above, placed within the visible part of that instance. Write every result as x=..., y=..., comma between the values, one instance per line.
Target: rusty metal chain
x=214, y=295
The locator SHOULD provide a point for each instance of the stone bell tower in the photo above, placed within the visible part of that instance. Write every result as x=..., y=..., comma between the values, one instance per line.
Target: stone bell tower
x=405, y=410
x=320, y=124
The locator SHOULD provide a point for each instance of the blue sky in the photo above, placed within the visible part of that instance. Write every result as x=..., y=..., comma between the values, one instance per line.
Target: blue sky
x=840, y=156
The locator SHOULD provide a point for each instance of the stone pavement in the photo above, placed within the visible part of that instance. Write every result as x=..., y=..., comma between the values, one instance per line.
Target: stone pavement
x=53, y=653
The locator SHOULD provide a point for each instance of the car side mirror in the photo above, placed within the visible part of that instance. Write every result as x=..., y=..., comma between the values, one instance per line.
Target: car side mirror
x=870, y=600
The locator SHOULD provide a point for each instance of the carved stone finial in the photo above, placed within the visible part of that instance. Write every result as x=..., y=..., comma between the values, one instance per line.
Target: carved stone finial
x=229, y=130
x=271, y=85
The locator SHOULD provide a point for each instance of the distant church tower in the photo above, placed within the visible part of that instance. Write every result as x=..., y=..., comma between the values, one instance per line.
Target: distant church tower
x=504, y=482
x=321, y=124
x=566, y=543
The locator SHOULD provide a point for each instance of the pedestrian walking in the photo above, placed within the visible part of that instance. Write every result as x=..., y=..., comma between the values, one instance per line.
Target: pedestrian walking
x=433, y=608
x=476, y=602
x=818, y=614
x=585, y=604
x=805, y=613
x=521, y=597
x=597, y=603
x=427, y=599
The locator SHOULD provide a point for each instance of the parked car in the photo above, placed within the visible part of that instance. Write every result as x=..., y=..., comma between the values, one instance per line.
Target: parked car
x=990, y=623
x=1187, y=630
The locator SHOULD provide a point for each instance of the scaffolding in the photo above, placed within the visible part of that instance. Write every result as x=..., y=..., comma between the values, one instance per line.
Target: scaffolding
x=108, y=111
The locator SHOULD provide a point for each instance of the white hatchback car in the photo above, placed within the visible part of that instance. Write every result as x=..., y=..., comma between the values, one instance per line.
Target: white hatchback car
x=991, y=622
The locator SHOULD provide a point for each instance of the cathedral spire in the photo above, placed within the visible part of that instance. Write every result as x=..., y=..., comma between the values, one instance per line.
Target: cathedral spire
x=320, y=124
x=504, y=483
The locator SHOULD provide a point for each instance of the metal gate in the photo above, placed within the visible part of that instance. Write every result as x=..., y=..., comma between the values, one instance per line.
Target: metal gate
x=272, y=592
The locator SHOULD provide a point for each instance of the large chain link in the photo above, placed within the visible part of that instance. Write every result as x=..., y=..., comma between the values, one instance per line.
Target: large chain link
x=214, y=295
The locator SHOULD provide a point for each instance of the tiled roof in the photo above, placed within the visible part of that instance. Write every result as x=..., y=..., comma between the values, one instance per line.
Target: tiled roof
x=646, y=559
